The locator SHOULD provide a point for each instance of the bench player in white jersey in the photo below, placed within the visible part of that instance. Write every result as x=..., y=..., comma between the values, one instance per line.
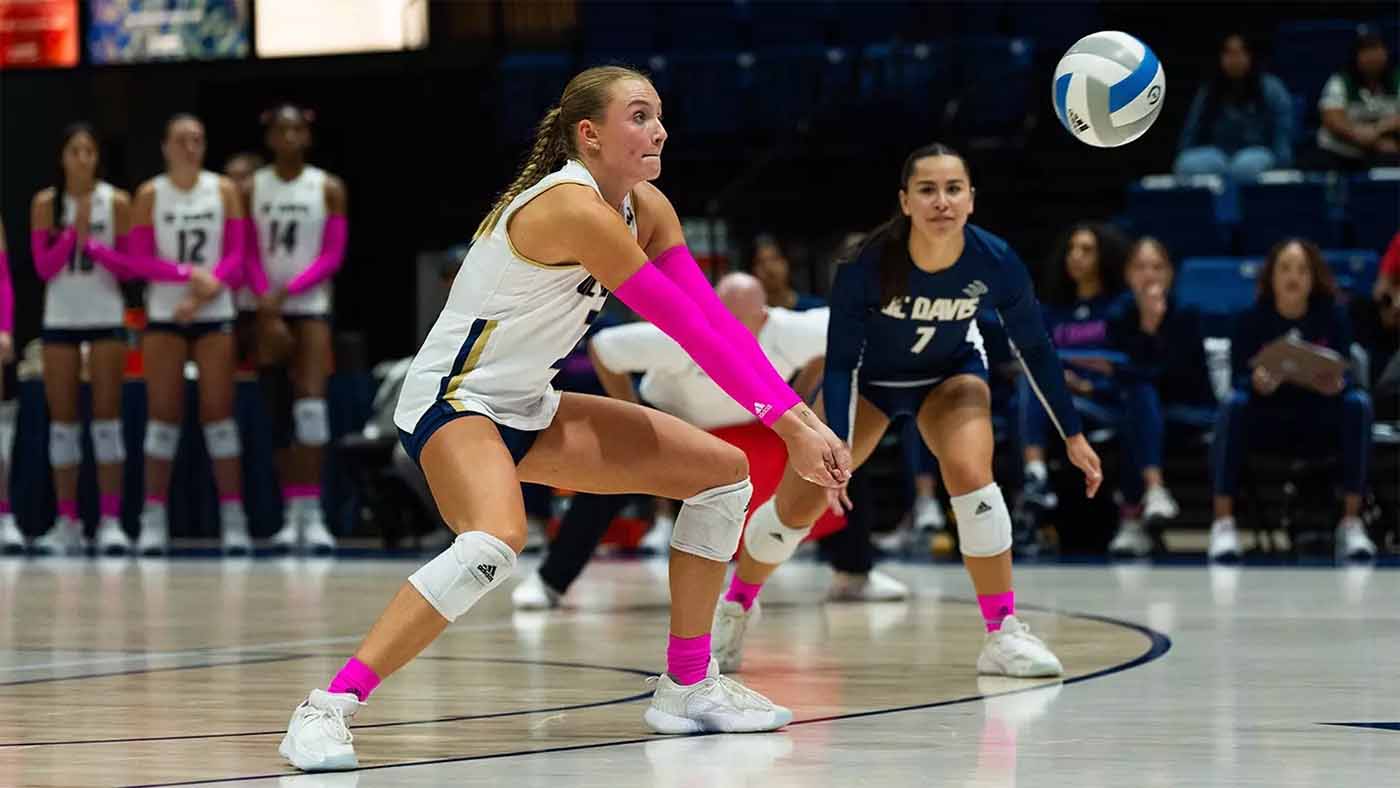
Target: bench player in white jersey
x=479, y=415
x=187, y=241
x=11, y=538
x=77, y=228
x=298, y=214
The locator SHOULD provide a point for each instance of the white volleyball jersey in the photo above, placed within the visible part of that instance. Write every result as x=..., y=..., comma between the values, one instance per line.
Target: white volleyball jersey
x=189, y=228
x=508, y=322
x=83, y=294
x=673, y=382
x=291, y=221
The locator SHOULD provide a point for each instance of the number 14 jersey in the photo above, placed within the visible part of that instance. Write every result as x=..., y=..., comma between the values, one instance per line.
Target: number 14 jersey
x=291, y=220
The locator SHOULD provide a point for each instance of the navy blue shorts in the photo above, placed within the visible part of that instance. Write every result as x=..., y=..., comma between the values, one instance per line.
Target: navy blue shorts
x=905, y=399
x=192, y=331
x=517, y=441
x=77, y=336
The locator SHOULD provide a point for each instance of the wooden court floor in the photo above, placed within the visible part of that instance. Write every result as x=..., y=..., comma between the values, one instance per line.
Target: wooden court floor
x=121, y=672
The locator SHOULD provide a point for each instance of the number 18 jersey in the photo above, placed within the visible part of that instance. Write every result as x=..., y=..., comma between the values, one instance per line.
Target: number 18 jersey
x=83, y=294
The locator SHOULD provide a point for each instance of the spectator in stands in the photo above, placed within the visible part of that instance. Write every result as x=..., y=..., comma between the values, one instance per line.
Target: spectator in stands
x=1297, y=297
x=1241, y=122
x=1360, y=109
x=1083, y=279
x=771, y=267
x=1377, y=322
x=1164, y=379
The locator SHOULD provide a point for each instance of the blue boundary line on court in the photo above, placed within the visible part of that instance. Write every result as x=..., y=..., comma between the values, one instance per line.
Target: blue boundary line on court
x=1159, y=645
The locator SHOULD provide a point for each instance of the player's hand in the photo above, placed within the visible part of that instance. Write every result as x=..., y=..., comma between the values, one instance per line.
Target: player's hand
x=837, y=500
x=1083, y=456
x=808, y=452
x=1331, y=386
x=203, y=285
x=7, y=347
x=1077, y=384
x=82, y=219
x=1264, y=382
x=840, y=452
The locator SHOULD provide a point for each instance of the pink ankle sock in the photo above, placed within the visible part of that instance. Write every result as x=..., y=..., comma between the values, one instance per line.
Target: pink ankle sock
x=68, y=509
x=292, y=491
x=741, y=592
x=157, y=500
x=996, y=607
x=4, y=507
x=234, y=498
x=110, y=505
x=688, y=659
x=356, y=677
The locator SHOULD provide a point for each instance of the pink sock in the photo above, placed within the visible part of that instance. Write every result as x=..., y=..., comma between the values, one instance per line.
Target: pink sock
x=4, y=507
x=110, y=505
x=996, y=607
x=356, y=677
x=688, y=659
x=741, y=592
x=292, y=491
x=231, y=498
x=156, y=500
x=68, y=509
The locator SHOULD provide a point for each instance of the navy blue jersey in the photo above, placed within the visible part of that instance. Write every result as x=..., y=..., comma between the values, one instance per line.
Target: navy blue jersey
x=1325, y=323
x=1173, y=359
x=1083, y=326
x=923, y=334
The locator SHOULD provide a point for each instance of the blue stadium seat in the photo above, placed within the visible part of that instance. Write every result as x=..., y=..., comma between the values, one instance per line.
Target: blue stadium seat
x=1306, y=53
x=1373, y=207
x=703, y=27
x=915, y=78
x=607, y=26
x=777, y=24
x=530, y=83
x=1355, y=269
x=878, y=21
x=1220, y=287
x=1271, y=211
x=711, y=93
x=996, y=85
x=1180, y=215
x=796, y=82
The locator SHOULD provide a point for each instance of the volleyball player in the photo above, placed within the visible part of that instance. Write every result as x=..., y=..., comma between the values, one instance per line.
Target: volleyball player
x=11, y=538
x=903, y=341
x=478, y=413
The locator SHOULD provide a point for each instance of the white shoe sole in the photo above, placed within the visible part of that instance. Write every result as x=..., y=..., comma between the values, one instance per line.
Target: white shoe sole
x=986, y=667
x=671, y=725
x=335, y=764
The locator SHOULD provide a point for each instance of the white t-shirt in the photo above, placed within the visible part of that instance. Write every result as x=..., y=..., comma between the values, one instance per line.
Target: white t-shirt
x=1367, y=108
x=672, y=382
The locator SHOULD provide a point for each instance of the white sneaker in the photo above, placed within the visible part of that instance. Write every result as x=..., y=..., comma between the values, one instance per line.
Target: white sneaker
x=658, y=539
x=873, y=587
x=1158, y=504
x=715, y=704
x=1013, y=651
x=64, y=538
x=11, y=538
x=288, y=537
x=1131, y=541
x=727, y=633
x=316, y=536
x=536, y=535
x=111, y=539
x=1352, y=542
x=318, y=738
x=534, y=593
x=928, y=514
x=1224, y=541
x=233, y=530
x=155, y=532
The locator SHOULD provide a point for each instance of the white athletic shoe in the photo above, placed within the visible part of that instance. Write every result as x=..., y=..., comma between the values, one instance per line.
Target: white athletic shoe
x=928, y=515
x=536, y=535
x=1158, y=504
x=318, y=737
x=11, y=538
x=658, y=538
x=288, y=537
x=155, y=532
x=315, y=535
x=233, y=530
x=715, y=704
x=1224, y=541
x=534, y=593
x=1013, y=651
x=1352, y=542
x=64, y=538
x=873, y=587
x=1131, y=541
x=111, y=539
x=727, y=633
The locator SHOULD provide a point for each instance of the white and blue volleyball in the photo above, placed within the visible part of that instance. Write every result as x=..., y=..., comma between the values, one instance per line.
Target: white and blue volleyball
x=1109, y=88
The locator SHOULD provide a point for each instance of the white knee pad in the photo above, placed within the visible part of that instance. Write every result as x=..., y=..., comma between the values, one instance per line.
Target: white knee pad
x=708, y=523
x=222, y=439
x=768, y=540
x=65, y=447
x=107, y=441
x=312, y=426
x=472, y=565
x=9, y=411
x=161, y=439
x=984, y=524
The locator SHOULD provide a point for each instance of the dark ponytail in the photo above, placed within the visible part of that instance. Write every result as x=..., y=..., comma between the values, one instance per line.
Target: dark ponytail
x=69, y=132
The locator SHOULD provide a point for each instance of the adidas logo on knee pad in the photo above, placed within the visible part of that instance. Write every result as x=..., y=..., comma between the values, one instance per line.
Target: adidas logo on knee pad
x=487, y=569
x=982, y=509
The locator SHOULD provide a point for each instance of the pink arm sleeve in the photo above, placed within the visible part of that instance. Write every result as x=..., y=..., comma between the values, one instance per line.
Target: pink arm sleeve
x=328, y=262
x=113, y=259
x=7, y=296
x=50, y=253
x=229, y=269
x=657, y=299
x=680, y=267
x=254, y=275
x=142, y=262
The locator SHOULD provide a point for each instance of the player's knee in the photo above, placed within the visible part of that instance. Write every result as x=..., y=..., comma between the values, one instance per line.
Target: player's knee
x=161, y=439
x=965, y=473
x=984, y=524
x=311, y=421
x=771, y=540
x=709, y=522
x=221, y=439
x=475, y=563
x=65, y=447
x=107, y=443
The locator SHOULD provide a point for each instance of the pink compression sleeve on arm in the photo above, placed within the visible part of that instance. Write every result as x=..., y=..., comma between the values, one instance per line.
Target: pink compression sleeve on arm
x=50, y=252
x=657, y=299
x=229, y=269
x=680, y=267
x=113, y=259
x=142, y=262
x=254, y=275
x=328, y=262
x=7, y=295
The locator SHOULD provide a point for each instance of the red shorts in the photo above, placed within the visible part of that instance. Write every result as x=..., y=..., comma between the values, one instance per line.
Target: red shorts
x=767, y=458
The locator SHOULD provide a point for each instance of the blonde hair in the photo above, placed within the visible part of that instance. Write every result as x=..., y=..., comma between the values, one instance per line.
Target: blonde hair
x=586, y=96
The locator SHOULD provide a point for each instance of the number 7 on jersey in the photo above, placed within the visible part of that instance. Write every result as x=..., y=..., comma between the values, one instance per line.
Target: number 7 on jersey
x=925, y=336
